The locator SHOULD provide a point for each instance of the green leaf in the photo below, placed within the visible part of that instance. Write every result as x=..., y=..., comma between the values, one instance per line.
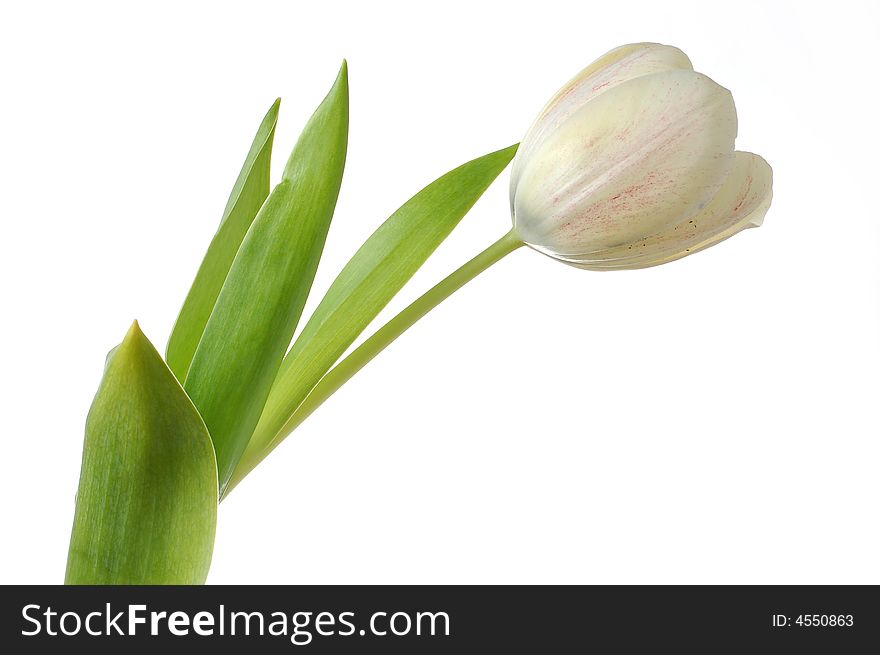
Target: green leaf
x=262, y=299
x=378, y=270
x=248, y=195
x=146, y=509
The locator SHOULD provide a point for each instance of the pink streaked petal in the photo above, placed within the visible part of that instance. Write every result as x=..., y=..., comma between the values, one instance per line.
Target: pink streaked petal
x=741, y=203
x=612, y=68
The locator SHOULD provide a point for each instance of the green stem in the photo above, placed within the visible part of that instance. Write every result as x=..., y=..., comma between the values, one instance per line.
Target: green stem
x=383, y=337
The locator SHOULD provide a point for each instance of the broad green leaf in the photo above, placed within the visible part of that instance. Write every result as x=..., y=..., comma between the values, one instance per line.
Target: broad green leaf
x=248, y=195
x=146, y=509
x=372, y=277
x=262, y=299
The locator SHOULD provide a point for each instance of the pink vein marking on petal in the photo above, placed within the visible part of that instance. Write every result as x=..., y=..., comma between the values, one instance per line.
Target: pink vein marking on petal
x=745, y=194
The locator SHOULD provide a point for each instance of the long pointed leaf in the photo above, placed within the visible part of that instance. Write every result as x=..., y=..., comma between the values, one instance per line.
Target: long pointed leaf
x=372, y=277
x=146, y=509
x=248, y=195
x=263, y=297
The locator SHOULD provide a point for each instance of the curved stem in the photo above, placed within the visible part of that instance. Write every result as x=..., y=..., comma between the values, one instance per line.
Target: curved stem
x=345, y=370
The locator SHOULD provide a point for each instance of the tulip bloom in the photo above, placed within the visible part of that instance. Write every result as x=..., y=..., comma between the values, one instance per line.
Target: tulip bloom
x=632, y=164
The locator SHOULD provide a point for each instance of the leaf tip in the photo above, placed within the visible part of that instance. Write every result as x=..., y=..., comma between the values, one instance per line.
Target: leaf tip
x=134, y=332
x=135, y=340
x=273, y=110
x=330, y=119
x=341, y=83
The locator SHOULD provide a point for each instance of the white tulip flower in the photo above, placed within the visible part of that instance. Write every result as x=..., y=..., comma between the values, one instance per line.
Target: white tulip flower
x=632, y=164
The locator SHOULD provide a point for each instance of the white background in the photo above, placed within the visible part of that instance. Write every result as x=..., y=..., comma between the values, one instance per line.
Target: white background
x=709, y=421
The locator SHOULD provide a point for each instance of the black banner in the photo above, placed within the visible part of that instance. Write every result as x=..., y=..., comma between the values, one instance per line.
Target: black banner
x=446, y=619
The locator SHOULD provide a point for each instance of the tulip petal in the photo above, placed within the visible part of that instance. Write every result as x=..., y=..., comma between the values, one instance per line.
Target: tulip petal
x=636, y=159
x=740, y=204
x=615, y=67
